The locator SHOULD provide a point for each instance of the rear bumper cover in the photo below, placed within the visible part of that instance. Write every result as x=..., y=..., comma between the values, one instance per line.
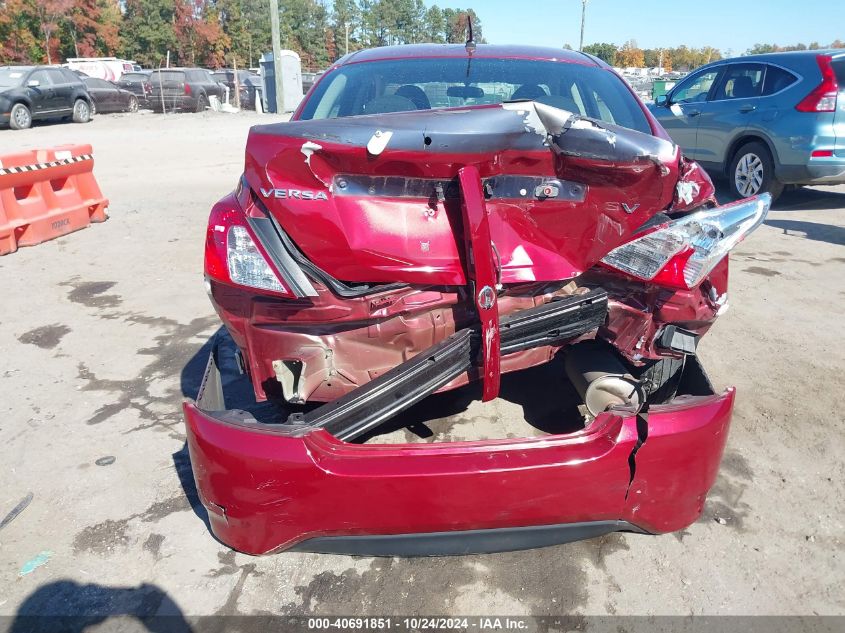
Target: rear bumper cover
x=273, y=487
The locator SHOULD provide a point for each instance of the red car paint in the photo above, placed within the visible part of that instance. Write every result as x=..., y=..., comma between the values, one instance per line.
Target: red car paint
x=268, y=489
x=266, y=492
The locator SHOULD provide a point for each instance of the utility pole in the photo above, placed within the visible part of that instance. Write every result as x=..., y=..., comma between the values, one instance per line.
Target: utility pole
x=346, y=25
x=277, y=52
x=583, y=16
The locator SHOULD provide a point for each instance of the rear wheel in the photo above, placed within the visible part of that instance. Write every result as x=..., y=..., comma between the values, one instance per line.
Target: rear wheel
x=133, y=104
x=202, y=103
x=752, y=172
x=81, y=111
x=93, y=108
x=20, y=117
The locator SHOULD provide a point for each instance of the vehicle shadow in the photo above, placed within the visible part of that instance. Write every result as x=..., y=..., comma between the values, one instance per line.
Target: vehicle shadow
x=795, y=199
x=69, y=607
x=811, y=230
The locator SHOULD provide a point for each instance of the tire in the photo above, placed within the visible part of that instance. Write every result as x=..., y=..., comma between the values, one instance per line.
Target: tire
x=133, y=104
x=93, y=108
x=81, y=111
x=202, y=103
x=660, y=379
x=752, y=171
x=20, y=117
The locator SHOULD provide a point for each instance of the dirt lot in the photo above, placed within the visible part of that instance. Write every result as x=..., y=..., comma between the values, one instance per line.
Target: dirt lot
x=101, y=337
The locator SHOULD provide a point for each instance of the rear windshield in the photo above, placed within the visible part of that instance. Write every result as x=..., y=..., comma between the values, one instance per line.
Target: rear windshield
x=168, y=75
x=10, y=77
x=135, y=77
x=839, y=69
x=421, y=84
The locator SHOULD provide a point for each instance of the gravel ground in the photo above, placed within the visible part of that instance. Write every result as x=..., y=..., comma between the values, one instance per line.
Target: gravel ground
x=102, y=333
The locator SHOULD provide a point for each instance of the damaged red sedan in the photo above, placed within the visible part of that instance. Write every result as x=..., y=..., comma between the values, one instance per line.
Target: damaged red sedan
x=437, y=215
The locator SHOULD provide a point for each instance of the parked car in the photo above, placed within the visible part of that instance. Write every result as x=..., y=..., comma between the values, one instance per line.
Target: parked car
x=138, y=83
x=763, y=121
x=247, y=84
x=430, y=217
x=106, y=96
x=31, y=93
x=186, y=89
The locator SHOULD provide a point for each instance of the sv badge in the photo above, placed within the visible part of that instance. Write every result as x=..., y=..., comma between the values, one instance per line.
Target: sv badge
x=621, y=206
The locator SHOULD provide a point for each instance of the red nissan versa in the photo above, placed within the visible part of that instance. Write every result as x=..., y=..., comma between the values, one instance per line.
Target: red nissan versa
x=435, y=215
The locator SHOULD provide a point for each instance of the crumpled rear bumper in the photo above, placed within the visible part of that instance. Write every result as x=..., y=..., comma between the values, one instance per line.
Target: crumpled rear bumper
x=268, y=488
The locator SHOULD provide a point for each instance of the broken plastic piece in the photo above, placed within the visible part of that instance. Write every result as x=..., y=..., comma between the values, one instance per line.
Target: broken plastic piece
x=378, y=142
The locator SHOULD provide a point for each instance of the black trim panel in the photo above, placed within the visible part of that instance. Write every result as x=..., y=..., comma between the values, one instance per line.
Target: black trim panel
x=463, y=542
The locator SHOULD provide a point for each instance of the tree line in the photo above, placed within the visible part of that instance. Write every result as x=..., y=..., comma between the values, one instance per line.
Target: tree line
x=682, y=57
x=217, y=33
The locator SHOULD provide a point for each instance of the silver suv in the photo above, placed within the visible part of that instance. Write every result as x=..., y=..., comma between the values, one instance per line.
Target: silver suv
x=763, y=121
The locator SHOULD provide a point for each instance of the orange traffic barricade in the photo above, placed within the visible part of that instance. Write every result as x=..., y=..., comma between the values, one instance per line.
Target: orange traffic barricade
x=47, y=193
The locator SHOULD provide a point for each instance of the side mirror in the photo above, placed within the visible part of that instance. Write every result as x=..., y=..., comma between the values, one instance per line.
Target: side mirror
x=33, y=83
x=662, y=100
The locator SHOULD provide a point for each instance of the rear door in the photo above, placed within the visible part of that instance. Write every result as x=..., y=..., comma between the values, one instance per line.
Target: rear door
x=729, y=110
x=62, y=89
x=680, y=118
x=41, y=92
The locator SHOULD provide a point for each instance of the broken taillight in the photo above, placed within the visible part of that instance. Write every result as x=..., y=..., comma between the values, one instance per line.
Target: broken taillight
x=234, y=255
x=682, y=252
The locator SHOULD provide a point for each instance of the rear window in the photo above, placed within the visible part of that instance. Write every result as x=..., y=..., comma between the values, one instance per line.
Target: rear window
x=421, y=84
x=838, y=66
x=777, y=79
x=169, y=75
x=134, y=77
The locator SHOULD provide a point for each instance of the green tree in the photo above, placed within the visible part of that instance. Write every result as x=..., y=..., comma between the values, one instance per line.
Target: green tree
x=147, y=32
x=604, y=51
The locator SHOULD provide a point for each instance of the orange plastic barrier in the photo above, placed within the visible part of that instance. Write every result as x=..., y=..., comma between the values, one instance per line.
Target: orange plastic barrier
x=47, y=193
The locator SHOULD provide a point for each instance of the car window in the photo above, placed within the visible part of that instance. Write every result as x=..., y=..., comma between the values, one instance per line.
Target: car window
x=134, y=77
x=41, y=77
x=167, y=75
x=421, y=84
x=777, y=79
x=838, y=66
x=56, y=76
x=740, y=81
x=10, y=77
x=695, y=88
x=70, y=77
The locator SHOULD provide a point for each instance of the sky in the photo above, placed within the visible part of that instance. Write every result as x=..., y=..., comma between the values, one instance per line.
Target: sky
x=730, y=25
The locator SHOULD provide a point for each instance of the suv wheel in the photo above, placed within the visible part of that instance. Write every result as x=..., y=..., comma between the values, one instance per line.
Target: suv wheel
x=81, y=111
x=20, y=118
x=133, y=104
x=752, y=172
x=202, y=103
x=93, y=108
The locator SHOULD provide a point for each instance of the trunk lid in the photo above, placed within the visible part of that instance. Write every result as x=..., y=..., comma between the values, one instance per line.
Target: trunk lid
x=375, y=198
x=168, y=82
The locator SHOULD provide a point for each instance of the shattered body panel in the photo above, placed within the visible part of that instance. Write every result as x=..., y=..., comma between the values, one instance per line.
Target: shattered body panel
x=269, y=488
x=367, y=261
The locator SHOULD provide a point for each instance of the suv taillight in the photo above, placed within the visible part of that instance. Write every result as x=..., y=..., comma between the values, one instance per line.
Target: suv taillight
x=187, y=89
x=823, y=97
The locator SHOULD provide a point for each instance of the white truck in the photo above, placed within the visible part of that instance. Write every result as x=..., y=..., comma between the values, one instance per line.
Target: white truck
x=110, y=68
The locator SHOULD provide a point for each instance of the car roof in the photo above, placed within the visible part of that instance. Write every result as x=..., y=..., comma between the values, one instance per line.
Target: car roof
x=777, y=57
x=418, y=51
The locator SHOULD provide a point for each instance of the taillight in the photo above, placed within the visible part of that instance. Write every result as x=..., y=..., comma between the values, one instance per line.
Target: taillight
x=234, y=255
x=187, y=89
x=682, y=253
x=148, y=88
x=823, y=97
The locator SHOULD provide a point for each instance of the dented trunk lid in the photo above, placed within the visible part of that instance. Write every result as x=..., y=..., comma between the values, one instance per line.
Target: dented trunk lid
x=375, y=198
